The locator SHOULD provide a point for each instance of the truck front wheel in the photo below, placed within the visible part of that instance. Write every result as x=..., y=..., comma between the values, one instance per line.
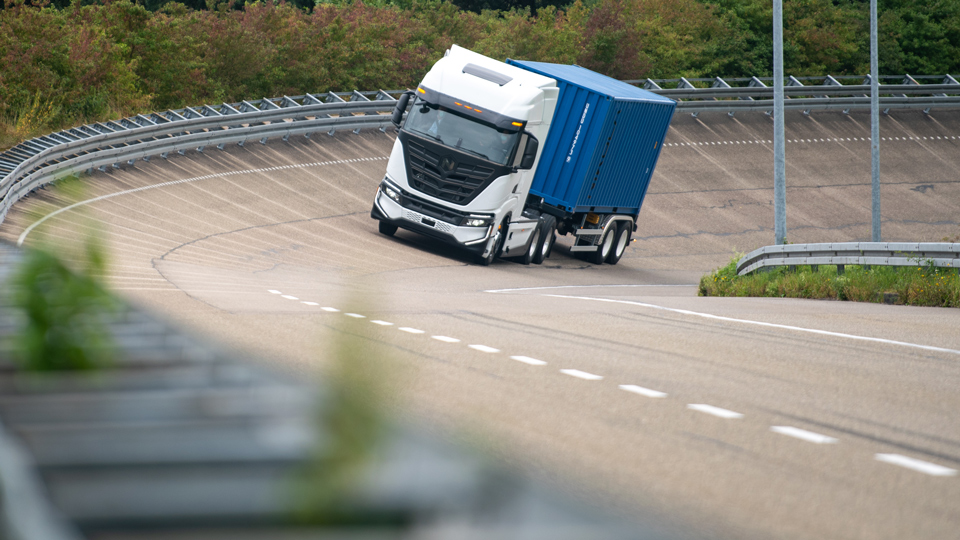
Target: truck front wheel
x=497, y=246
x=622, y=240
x=387, y=228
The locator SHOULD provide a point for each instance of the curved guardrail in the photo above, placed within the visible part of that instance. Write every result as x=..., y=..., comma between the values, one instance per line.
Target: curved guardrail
x=37, y=162
x=827, y=93
x=34, y=163
x=941, y=254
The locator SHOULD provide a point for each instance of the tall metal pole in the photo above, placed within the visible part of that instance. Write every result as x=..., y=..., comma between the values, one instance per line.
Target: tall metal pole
x=779, y=171
x=874, y=125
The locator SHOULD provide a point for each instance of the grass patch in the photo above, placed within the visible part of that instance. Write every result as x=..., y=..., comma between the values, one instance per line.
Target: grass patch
x=913, y=286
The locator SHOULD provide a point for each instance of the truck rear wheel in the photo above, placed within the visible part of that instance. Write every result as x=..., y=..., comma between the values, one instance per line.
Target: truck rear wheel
x=387, y=228
x=621, y=241
x=604, y=248
x=548, y=224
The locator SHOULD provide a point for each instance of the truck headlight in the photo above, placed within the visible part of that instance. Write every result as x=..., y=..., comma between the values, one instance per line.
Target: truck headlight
x=392, y=193
x=476, y=222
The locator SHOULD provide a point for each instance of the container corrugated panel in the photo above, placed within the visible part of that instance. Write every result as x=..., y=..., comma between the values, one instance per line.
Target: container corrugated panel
x=603, y=144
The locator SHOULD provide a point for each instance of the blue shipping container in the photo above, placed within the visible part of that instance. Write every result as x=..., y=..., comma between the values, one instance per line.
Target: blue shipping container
x=603, y=144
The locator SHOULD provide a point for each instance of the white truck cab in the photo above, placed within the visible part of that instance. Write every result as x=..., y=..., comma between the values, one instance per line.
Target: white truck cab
x=464, y=159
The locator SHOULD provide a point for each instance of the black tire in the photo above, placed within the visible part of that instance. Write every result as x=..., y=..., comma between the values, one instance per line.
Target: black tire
x=388, y=229
x=620, y=242
x=604, y=248
x=548, y=226
x=536, y=242
x=501, y=233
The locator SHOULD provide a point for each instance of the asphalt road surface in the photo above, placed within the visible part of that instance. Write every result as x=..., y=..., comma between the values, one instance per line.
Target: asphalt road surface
x=726, y=418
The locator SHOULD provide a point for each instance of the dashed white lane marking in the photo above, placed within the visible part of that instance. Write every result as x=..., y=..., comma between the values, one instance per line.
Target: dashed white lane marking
x=715, y=411
x=643, y=391
x=804, y=435
x=355, y=315
x=528, y=360
x=484, y=348
x=288, y=297
x=410, y=330
x=917, y=465
x=581, y=374
x=310, y=303
x=765, y=324
x=381, y=323
x=330, y=309
x=271, y=291
x=446, y=339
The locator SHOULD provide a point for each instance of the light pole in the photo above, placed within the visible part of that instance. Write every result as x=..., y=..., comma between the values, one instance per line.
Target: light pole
x=779, y=171
x=874, y=126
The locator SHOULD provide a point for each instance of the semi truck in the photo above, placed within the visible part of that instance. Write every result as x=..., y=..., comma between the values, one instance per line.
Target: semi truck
x=500, y=157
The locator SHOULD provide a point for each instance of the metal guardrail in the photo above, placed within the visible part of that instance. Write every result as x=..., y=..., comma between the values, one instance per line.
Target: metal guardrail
x=37, y=162
x=34, y=163
x=754, y=94
x=940, y=254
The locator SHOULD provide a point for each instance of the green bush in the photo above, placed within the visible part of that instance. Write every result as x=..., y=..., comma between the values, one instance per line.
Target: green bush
x=922, y=285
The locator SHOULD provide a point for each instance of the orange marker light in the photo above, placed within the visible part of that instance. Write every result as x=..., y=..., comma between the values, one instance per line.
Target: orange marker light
x=421, y=90
x=518, y=124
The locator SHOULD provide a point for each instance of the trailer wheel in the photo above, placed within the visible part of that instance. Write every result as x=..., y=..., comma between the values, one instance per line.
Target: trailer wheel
x=621, y=243
x=604, y=248
x=547, y=237
x=536, y=242
x=387, y=228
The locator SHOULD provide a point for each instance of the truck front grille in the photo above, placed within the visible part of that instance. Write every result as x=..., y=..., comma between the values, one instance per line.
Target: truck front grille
x=459, y=185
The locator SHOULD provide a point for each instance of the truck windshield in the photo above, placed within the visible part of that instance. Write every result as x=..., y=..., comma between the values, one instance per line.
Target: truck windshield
x=461, y=132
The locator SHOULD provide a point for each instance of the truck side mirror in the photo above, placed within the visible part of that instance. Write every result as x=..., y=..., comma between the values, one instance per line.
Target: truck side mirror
x=400, y=109
x=530, y=153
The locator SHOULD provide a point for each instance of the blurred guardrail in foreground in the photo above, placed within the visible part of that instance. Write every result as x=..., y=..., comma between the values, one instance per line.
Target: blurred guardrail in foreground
x=177, y=440
x=940, y=254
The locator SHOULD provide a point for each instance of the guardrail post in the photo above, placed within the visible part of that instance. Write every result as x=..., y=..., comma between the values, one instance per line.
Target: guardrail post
x=839, y=269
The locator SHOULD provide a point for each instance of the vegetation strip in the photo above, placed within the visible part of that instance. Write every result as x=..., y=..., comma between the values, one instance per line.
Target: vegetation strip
x=923, y=285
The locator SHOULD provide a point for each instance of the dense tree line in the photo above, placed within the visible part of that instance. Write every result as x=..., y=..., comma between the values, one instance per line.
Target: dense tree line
x=69, y=62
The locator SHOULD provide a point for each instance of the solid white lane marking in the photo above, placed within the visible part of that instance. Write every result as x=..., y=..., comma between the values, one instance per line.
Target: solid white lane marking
x=803, y=434
x=528, y=360
x=355, y=315
x=330, y=309
x=917, y=465
x=410, y=330
x=288, y=297
x=446, y=339
x=582, y=287
x=381, y=323
x=484, y=348
x=643, y=391
x=310, y=303
x=581, y=374
x=271, y=291
x=715, y=411
x=759, y=323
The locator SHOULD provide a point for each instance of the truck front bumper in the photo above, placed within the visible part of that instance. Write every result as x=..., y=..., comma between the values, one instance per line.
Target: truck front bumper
x=420, y=216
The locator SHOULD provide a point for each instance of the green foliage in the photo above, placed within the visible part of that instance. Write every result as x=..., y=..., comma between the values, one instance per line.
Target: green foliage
x=65, y=310
x=923, y=285
x=90, y=60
